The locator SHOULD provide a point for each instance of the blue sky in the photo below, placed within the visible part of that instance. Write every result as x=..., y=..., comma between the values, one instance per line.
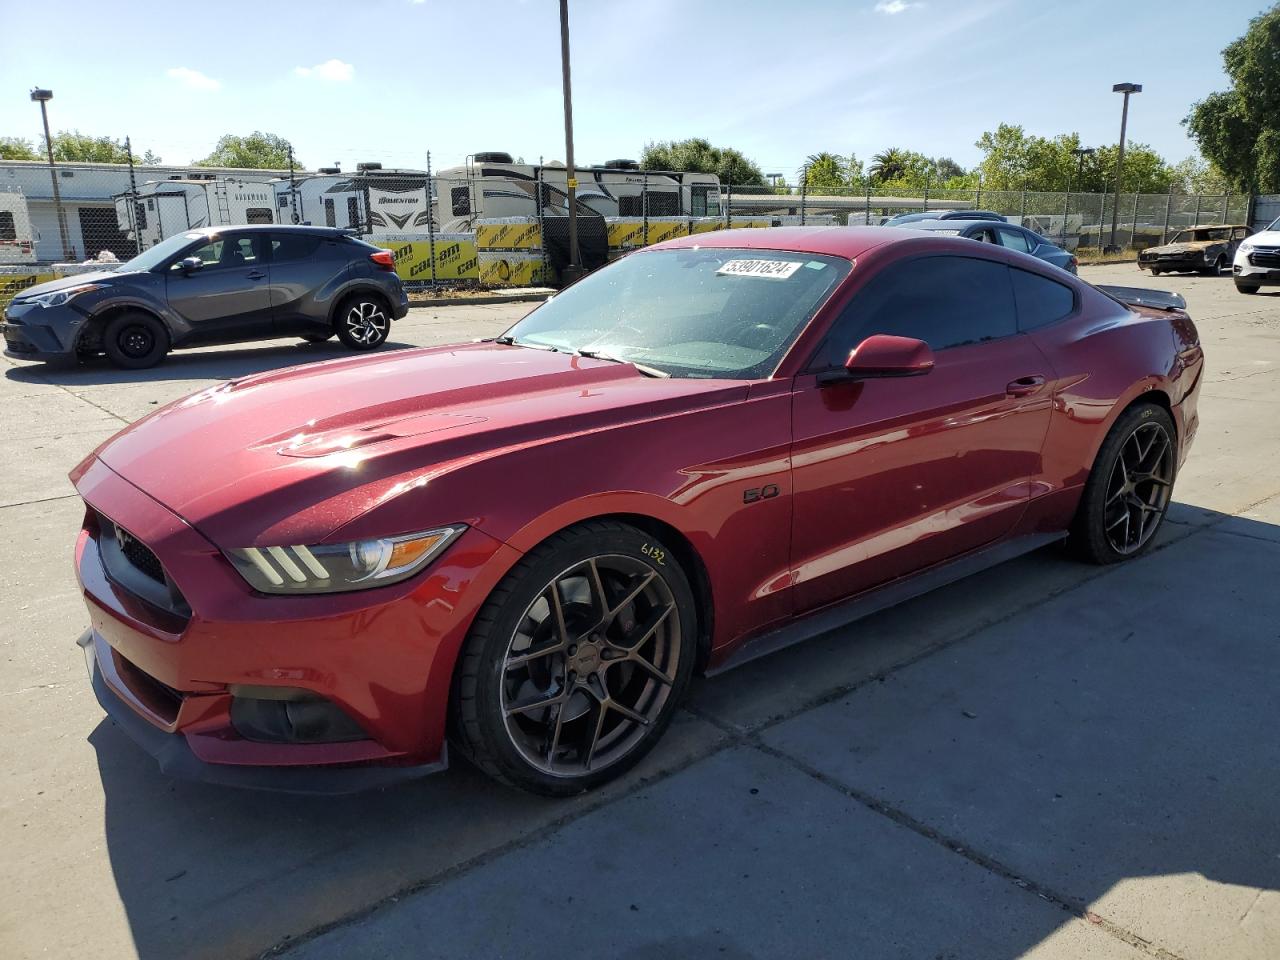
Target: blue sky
x=387, y=80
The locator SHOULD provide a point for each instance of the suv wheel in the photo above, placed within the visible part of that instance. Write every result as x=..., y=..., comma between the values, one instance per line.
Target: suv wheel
x=1247, y=287
x=135, y=341
x=363, y=322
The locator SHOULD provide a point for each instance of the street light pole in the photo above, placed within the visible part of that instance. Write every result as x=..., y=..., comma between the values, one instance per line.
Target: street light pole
x=1080, y=153
x=1126, y=89
x=42, y=97
x=573, y=270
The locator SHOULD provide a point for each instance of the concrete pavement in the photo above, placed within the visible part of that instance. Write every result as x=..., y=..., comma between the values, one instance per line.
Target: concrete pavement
x=1045, y=760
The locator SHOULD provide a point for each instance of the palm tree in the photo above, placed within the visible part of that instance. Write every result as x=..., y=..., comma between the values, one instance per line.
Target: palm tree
x=889, y=165
x=823, y=170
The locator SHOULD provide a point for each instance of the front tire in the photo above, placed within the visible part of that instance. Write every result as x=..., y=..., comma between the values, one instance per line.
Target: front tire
x=363, y=322
x=135, y=340
x=1155, y=271
x=1128, y=491
x=1247, y=288
x=577, y=661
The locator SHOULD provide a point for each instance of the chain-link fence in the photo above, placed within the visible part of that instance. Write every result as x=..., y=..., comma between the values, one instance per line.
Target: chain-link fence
x=492, y=221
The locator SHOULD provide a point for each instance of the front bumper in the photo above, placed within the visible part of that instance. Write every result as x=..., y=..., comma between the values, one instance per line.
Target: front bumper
x=1182, y=263
x=176, y=758
x=1263, y=276
x=32, y=332
x=171, y=673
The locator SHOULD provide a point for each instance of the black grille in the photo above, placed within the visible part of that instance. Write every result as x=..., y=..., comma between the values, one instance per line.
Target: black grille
x=139, y=554
x=1265, y=257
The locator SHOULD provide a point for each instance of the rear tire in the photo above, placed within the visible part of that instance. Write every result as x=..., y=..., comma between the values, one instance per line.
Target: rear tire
x=135, y=341
x=363, y=321
x=1129, y=489
x=612, y=619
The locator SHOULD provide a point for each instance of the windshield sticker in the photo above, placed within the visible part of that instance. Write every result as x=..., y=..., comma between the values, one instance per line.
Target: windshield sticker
x=815, y=265
x=770, y=269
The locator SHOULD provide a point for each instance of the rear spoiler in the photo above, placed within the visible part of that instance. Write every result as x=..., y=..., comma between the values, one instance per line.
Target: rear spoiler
x=1141, y=297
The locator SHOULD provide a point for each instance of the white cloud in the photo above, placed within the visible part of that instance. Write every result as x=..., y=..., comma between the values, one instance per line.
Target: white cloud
x=193, y=78
x=891, y=7
x=335, y=70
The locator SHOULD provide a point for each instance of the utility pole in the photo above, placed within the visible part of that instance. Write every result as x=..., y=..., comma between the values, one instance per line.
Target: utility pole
x=574, y=269
x=133, y=198
x=1126, y=89
x=42, y=97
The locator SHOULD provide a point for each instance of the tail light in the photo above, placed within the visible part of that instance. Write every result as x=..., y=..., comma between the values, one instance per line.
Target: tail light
x=383, y=260
x=1074, y=263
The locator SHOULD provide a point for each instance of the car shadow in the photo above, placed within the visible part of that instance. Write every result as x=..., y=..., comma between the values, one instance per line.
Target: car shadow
x=198, y=364
x=203, y=871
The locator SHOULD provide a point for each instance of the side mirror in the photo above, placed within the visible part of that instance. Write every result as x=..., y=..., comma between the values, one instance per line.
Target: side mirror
x=190, y=265
x=882, y=355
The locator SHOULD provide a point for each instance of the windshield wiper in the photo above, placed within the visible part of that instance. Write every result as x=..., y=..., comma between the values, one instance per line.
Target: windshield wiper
x=643, y=368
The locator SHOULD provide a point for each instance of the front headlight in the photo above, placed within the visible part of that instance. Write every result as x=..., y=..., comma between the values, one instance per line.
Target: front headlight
x=59, y=297
x=1246, y=247
x=336, y=567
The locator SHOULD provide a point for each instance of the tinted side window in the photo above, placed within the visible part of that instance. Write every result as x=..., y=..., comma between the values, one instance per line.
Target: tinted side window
x=225, y=253
x=1040, y=301
x=944, y=301
x=293, y=246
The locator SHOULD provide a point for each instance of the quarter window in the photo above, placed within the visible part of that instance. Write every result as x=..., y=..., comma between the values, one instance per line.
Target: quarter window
x=944, y=301
x=293, y=246
x=1040, y=301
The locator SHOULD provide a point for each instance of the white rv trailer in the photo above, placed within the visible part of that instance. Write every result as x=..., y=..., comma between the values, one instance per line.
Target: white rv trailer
x=320, y=200
x=491, y=185
x=18, y=237
x=161, y=208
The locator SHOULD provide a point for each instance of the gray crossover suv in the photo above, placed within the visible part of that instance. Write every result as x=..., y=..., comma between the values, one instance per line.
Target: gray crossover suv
x=214, y=285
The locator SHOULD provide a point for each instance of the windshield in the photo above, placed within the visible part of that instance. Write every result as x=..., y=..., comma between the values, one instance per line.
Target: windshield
x=162, y=251
x=1187, y=236
x=689, y=312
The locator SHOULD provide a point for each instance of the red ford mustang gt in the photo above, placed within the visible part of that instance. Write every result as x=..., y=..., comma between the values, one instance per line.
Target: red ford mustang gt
x=314, y=579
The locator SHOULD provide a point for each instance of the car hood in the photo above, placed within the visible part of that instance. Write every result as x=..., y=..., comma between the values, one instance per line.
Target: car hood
x=1264, y=238
x=1188, y=246
x=52, y=286
x=291, y=456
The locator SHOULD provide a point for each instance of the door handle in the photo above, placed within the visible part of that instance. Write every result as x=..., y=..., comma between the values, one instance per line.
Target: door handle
x=255, y=275
x=1024, y=386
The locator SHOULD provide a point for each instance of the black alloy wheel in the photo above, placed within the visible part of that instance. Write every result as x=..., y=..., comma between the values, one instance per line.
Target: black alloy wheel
x=1129, y=490
x=576, y=663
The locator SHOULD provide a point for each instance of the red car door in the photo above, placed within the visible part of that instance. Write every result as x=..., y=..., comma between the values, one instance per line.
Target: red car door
x=896, y=474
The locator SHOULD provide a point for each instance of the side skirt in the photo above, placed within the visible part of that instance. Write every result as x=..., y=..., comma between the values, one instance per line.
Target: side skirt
x=845, y=612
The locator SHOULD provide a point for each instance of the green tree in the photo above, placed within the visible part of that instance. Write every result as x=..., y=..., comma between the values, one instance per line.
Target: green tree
x=1239, y=130
x=1015, y=160
x=891, y=164
x=257, y=151
x=16, y=148
x=825, y=172
x=72, y=146
x=1197, y=175
x=945, y=169
x=697, y=155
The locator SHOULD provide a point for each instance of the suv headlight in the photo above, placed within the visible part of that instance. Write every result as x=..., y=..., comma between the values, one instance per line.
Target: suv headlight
x=338, y=567
x=1246, y=247
x=59, y=297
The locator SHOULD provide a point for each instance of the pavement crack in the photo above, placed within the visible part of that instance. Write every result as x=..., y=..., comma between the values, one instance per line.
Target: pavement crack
x=1062, y=901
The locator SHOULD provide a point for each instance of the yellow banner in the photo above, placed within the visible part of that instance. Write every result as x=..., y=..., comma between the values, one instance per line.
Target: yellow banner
x=509, y=236
x=513, y=270
x=12, y=284
x=455, y=259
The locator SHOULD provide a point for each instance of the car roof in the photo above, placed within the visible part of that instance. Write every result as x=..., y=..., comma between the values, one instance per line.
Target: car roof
x=1215, y=226
x=958, y=224
x=849, y=242
x=272, y=228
